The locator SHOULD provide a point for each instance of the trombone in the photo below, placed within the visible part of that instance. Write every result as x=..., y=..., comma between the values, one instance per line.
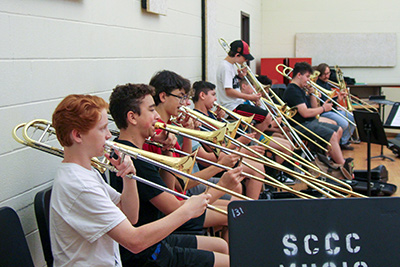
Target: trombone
x=266, y=161
x=287, y=70
x=349, y=98
x=209, y=122
x=47, y=131
x=295, y=137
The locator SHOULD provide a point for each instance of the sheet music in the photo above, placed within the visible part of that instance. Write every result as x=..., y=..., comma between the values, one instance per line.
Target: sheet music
x=396, y=119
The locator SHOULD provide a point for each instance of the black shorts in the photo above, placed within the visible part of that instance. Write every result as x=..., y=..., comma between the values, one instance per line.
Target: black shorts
x=181, y=250
x=324, y=130
x=174, y=250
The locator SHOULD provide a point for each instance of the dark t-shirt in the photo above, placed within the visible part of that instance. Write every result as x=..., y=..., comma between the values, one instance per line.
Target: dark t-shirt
x=294, y=96
x=147, y=212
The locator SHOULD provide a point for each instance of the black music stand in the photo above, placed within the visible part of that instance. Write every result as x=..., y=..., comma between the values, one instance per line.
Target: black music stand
x=381, y=101
x=370, y=130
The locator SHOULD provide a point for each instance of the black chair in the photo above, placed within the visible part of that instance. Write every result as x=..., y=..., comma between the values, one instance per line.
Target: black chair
x=42, y=209
x=14, y=250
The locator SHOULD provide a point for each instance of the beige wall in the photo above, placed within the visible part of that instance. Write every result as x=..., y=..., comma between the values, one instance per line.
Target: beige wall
x=281, y=20
x=223, y=21
x=50, y=49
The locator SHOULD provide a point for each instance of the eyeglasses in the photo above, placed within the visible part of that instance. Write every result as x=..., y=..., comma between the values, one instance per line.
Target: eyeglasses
x=182, y=99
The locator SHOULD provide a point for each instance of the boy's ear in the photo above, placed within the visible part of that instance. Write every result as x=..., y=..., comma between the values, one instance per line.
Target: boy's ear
x=162, y=96
x=202, y=95
x=131, y=117
x=76, y=136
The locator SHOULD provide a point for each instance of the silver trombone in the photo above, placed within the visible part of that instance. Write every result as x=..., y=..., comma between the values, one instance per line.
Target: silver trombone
x=286, y=72
x=293, y=134
x=308, y=180
x=214, y=125
x=102, y=165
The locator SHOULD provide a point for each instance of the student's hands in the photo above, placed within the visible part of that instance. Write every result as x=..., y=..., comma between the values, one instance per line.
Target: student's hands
x=232, y=178
x=123, y=164
x=189, y=123
x=242, y=72
x=220, y=113
x=196, y=205
x=246, y=141
x=310, y=89
x=327, y=106
x=228, y=160
x=276, y=122
x=254, y=97
x=258, y=149
x=167, y=139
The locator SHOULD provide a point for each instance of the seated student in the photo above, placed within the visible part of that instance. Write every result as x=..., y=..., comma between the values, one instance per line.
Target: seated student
x=204, y=96
x=203, y=99
x=228, y=77
x=169, y=83
x=295, y=96
x=133, y=110
x=272, y=129
x=88, y=218
x=347, y=128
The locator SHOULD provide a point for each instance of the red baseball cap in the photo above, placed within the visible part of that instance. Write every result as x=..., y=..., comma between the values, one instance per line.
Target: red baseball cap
x=242, y=48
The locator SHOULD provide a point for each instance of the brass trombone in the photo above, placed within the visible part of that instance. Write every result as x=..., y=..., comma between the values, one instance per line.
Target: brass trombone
x=260, y=88
x=271, y=182
x=349, y=98
x=327, y=93
x=48, y=130
x=209, y=121
x=323, y=188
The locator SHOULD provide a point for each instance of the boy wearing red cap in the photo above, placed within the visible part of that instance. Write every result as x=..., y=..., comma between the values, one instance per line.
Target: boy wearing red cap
x=228, y=76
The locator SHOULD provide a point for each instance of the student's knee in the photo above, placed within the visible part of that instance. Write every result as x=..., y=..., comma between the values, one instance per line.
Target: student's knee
x=335, y=137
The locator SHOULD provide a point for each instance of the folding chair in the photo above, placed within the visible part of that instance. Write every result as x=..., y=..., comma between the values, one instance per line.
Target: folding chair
x=14, y=250
x=42, y=209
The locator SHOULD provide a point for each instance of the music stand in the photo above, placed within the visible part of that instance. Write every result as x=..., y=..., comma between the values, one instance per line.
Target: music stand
x=381, y=101
x=370, y=130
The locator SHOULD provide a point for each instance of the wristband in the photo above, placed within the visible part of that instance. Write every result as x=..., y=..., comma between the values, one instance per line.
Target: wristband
x=323, y=109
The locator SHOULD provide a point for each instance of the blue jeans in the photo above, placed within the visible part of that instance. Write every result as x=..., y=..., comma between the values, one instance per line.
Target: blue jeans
x=348, y=128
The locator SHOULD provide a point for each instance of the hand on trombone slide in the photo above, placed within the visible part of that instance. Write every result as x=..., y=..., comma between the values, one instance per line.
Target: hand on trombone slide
x=227, y=160
x=327, y=106
x=167, y=139
x=242, y=72
x=195, y=205
x=123, y=164
x=220, y=113
x=232, y=178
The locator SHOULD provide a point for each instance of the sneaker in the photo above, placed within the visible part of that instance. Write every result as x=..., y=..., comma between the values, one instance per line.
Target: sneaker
x=346, y=147
x=349, y=165
x=285, y=178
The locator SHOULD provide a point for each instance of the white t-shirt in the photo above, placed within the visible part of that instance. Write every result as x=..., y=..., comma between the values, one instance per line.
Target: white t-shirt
x=82, y=210
x=227, y=78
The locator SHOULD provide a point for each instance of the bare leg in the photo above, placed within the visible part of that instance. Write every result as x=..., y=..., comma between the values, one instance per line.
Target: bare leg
x=326, y=120
x=336, y=152
x=283, y=142
x=253, y=187
x=216, y=245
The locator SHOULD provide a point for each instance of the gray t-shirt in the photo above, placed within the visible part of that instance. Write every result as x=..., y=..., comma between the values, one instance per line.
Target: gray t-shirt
x=82, y=211
x=227, y=78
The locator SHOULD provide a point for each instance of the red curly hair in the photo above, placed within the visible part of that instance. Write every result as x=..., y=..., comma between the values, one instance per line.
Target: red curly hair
x=80, y=112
